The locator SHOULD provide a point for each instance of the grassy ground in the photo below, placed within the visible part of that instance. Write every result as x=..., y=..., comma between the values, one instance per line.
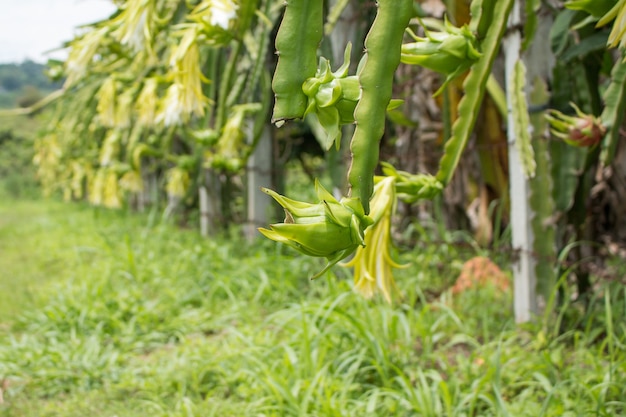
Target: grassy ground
x=111, y=314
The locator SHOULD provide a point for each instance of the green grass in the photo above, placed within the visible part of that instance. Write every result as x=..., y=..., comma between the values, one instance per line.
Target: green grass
x=115, y=314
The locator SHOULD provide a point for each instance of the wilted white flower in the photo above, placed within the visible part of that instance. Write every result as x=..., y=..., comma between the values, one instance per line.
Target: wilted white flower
x=222, y=12
x=136, y=38
x=177, y=182
x=373, y=262
x=190, y=77
x=111, y=191
x=185, y=97
x=82, y=52
x=95, y=188
x=110, y=148
x=135, y=24
x=48, y=154
x=171, y=110
x=123, y=108
x=146, y=105
x=107, y=100
x=131, y=181
x=80, y=171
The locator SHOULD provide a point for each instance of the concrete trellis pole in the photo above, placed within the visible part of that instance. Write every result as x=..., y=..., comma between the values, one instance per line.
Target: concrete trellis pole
x=209, y=196
x=525, y=298
x=539, y=63
x=259, y=171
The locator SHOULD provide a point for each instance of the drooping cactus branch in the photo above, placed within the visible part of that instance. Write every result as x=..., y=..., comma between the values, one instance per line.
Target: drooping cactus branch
x=474, y=86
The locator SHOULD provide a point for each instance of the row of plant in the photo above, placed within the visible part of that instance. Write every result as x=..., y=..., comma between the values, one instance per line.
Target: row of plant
x=175, y=92
x=160, y=91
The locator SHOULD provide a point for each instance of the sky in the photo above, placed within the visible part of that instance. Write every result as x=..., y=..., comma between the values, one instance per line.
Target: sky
x=29, y=28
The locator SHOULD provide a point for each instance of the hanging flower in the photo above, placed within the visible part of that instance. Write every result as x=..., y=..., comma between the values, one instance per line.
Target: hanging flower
x=131, y=181
x=82, y=52
x=146, y=105
x=80, y=171
x=190, y=77
x=95, y=188
x=107, y=101
x=184, y=97
x=177, y=182
x=170, y=108
x=216, y=14
x=123, y=107
x=231, y=149
x=135, y=24
x=48, y=154
x=110, y=148
x=372, y=262
x=111, y=191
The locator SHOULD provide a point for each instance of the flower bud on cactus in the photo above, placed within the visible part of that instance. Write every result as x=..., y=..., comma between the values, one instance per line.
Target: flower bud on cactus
x=581, y=131
x=332, y=97
x=413, y=187
x=450, y=51
x=330, y=229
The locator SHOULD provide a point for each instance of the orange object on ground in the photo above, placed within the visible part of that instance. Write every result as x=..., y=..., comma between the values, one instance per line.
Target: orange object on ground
x=479, y=272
